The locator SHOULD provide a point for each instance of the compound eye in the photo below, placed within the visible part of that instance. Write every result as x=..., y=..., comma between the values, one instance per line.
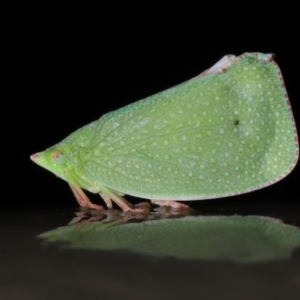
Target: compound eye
x=57, y=156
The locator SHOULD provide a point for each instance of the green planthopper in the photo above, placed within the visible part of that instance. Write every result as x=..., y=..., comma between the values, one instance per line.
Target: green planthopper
x=228, y=131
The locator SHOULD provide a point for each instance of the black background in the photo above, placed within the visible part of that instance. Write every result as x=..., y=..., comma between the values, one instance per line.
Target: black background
x=64, y=69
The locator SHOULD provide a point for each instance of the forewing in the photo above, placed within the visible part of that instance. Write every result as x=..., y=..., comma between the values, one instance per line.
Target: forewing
x=218, y=134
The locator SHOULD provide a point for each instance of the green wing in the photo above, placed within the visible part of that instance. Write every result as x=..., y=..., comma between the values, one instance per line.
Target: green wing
x=226, y=132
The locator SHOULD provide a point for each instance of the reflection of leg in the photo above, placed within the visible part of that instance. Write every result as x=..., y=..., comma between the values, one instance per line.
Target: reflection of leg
x=82, y=199
x=171, y=203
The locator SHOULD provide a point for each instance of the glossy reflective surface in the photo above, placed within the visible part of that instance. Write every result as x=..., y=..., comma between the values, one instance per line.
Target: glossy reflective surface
x=237, y=251
x=241, y=239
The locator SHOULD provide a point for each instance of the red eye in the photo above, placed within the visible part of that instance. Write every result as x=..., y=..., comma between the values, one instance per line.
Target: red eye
x=57, y=156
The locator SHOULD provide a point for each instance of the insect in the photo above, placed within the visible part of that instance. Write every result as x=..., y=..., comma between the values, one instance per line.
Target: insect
x=228, y=131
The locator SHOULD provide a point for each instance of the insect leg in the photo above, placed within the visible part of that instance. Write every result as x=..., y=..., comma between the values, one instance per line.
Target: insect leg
x=120, y=201
x=82, y=199
x=106, y=199
x=109, y=196
x=171, y=203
